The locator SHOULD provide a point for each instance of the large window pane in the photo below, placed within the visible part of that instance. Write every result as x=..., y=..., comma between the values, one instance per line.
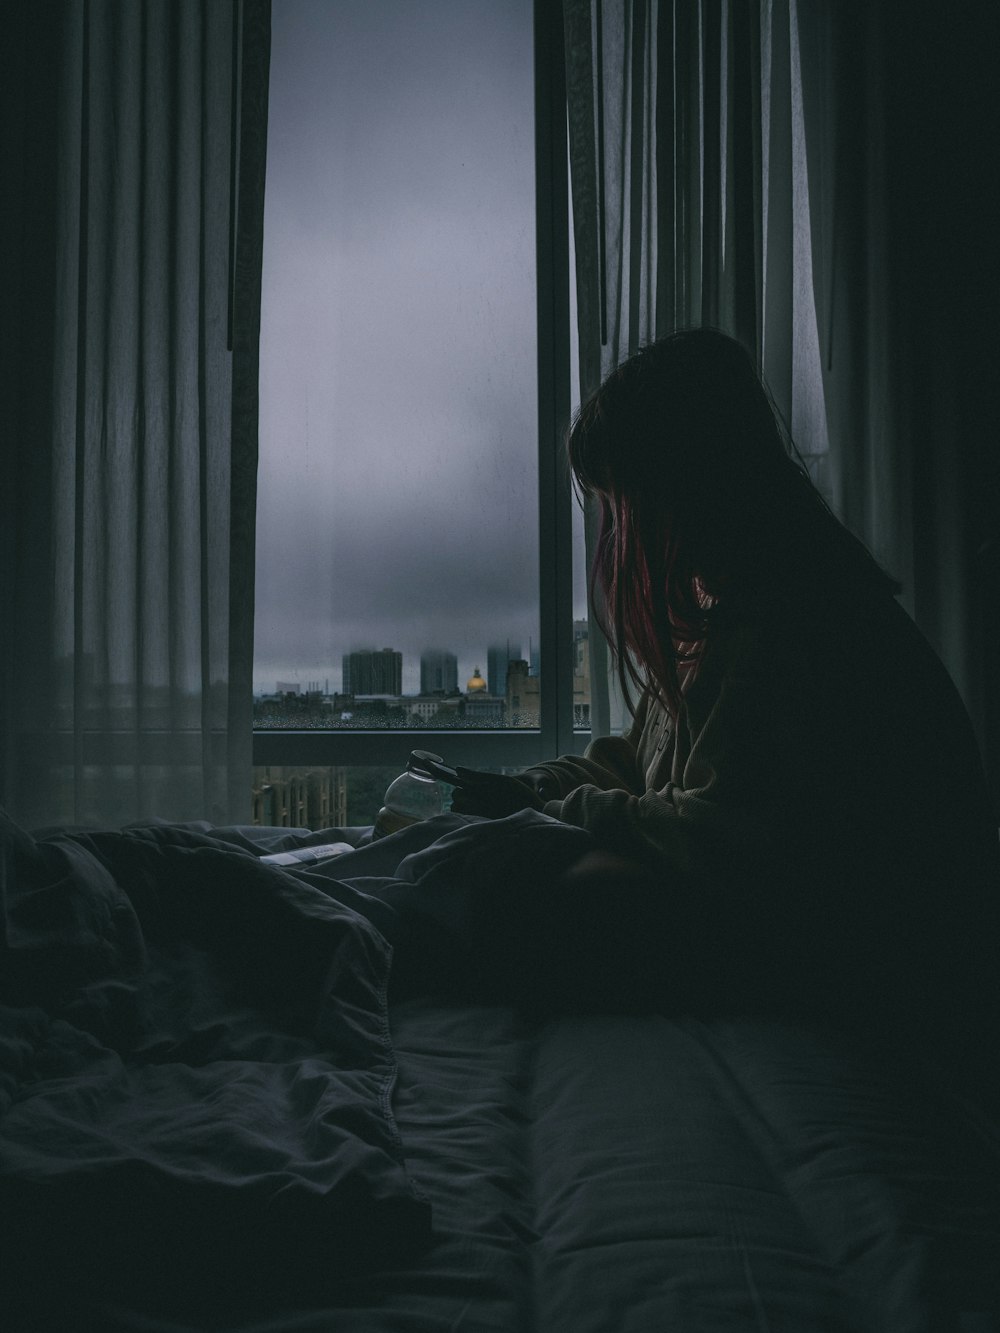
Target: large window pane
x=397, y=568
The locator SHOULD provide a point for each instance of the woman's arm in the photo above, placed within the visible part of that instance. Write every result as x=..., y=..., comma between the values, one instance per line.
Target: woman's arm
x=610, y=763
x=698, y=786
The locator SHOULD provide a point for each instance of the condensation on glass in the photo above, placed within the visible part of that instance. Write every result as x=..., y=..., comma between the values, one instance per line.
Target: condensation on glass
x=397, y=527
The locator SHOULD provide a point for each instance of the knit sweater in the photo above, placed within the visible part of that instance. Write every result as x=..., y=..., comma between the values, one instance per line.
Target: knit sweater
x=820, y=783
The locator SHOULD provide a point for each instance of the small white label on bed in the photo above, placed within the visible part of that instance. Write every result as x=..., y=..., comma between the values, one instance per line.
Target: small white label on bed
x=308, y=855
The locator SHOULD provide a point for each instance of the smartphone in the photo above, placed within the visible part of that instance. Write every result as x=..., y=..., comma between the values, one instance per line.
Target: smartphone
x=435, y=766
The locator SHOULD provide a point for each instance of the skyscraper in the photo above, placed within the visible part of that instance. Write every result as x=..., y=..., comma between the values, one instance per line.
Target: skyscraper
x=522, y=696
x=498, y=656
x=438, y=672
x=373, y=672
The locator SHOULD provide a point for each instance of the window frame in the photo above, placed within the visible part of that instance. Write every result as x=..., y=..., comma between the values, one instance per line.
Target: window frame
x=555, y=734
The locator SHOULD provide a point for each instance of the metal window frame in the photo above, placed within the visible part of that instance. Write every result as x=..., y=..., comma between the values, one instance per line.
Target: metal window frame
x=555, y=734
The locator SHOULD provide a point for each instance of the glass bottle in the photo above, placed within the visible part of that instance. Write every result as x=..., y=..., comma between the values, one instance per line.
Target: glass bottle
x=414, y=795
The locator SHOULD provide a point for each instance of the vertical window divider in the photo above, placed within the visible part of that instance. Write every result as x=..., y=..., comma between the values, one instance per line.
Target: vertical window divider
x=554, y=490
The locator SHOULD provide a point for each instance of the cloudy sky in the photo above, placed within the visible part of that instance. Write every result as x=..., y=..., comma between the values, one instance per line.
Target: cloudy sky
x=397, y=492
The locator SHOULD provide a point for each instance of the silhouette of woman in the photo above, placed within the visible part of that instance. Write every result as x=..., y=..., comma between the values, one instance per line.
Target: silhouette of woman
x=800, y=781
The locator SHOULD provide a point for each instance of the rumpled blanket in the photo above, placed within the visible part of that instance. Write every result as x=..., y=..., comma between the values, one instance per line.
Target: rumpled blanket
x=196, y=1065
x=196, y=1072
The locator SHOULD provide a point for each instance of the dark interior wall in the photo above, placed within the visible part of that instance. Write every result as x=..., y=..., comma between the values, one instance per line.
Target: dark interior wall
x=943, y=170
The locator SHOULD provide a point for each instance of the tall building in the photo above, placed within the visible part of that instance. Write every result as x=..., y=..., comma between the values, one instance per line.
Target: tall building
x=581, y=674
x=438, y=672
x=498, y=656
x=373, y=672
x=311, y=798
x=522, y=696
x=480, y=705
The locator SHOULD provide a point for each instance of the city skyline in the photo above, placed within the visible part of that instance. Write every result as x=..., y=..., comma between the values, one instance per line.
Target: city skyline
x=331, y=674
x=373, y=698
x=397, y=483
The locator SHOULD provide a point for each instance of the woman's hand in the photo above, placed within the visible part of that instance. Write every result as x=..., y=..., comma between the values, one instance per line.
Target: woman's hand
x=492, y=795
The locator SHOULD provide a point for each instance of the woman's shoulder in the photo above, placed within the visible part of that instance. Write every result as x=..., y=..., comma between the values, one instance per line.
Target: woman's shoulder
x=796, y=608
x=824, y=635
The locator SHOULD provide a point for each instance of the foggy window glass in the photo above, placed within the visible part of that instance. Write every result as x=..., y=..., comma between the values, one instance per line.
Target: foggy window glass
x=397, y=546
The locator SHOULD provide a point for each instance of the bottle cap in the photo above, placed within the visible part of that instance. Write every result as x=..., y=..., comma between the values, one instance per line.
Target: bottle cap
x=419, y=760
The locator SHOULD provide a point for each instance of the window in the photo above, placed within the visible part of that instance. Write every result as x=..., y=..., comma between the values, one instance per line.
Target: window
x=416, y=548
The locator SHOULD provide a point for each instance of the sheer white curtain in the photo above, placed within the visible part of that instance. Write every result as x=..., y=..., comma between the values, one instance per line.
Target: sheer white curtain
x=691, y=200
x=777, y=169
x=135, y=157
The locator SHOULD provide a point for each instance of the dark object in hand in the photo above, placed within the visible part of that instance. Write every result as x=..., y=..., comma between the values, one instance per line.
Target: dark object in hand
x=493, y=795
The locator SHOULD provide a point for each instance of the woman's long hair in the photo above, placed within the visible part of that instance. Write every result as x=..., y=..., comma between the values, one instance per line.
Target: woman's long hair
x=701, y=497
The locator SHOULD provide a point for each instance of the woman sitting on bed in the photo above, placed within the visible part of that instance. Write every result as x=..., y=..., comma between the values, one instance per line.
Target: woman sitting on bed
x=800, y=783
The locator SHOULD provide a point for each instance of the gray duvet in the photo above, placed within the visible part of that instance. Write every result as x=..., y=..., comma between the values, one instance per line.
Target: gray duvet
x=220, y=1112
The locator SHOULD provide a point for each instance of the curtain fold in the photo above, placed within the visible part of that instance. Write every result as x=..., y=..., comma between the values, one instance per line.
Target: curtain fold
x=690, y=204
x=820, y=181
x=901, y=120
x=126, y=695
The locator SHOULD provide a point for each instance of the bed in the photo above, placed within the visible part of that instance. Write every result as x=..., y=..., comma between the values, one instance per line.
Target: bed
x=234, y=1095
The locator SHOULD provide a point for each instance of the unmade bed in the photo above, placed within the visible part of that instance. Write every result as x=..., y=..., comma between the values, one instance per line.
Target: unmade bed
x=221, y=1110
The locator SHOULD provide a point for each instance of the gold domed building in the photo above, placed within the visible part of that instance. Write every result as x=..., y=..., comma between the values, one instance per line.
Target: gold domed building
x=479, y=705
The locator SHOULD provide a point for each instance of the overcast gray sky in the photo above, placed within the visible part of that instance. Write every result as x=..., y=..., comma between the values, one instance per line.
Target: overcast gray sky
x=397, y=491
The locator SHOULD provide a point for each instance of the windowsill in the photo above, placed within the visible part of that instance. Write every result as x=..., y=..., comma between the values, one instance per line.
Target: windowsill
x=344, y=746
